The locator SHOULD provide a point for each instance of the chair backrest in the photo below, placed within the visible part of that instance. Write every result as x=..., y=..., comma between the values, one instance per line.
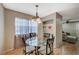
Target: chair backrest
x=27, y=36
x=50, y=39
x=23, y=39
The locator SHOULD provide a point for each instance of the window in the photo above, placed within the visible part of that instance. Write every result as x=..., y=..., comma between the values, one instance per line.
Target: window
x=32, y=27
x=24, y=26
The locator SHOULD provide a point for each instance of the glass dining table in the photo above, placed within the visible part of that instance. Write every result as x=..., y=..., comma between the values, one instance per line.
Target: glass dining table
x=39, y=46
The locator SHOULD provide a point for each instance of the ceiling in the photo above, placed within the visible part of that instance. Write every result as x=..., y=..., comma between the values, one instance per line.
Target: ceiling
x=67, y=10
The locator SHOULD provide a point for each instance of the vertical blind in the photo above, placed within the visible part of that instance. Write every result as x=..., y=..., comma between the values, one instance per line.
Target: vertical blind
x=24, y=26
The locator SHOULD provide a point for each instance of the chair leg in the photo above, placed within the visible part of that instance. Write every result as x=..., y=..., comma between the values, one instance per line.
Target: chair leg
x=47, y=49
x=24, y=50
x=52, y=48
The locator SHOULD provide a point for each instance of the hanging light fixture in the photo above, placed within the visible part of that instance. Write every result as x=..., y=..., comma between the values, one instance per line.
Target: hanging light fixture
x=37, y=18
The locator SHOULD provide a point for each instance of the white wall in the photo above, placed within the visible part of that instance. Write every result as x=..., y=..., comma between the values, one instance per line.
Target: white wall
x=10, y=27
x=77, y=29
x=40, y=31
x=1, y=28
x=56, y=28
x=72, y=28
x=46, y=27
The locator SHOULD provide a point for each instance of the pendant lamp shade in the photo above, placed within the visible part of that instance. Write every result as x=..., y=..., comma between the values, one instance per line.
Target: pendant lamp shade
x=36, y=18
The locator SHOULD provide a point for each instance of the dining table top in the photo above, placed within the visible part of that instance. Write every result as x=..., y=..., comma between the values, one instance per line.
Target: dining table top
x=34, y=41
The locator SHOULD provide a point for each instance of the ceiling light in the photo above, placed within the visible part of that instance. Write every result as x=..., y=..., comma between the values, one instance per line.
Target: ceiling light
x=37, y=18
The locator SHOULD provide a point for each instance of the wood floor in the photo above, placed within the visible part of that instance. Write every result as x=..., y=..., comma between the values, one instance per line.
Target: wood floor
x=66, y=49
